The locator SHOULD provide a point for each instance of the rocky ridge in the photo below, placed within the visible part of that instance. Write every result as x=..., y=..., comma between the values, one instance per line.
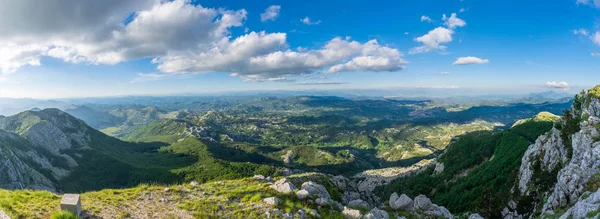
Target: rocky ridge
x=559, y=165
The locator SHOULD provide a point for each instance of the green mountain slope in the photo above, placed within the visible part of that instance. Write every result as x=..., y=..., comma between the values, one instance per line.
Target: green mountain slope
x=478, y=170
x=74, y=157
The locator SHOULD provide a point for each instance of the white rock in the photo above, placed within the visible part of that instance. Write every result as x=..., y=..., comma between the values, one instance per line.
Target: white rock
x=283, y=186
x=193, y=183
x=272, y=201
x=302, y=194
x=403, y=202
x=322, y=201
x=316, y=189
x=475, y=216
x=359, y=203
x=351, y=213
x=582, y=208
x=375, y=213
x=3, y=215
x=167, y=189
x=422, y=203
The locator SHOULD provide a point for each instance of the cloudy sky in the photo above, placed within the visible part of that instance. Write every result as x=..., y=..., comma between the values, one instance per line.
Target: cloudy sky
x=77, y=48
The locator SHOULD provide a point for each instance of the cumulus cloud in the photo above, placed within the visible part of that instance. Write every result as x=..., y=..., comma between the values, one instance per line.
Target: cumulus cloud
x=157, y=29
x=180, y=37
x=307, y=21
x=271, y=13
x=426, y=19
x=470, y=60
x=581, y=31
x=435, y=38
x=596, y=38
x=453, y=21
x=557, y=85
x=594, y=3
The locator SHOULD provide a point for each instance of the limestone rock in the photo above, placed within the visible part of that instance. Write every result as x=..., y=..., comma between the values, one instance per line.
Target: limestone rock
x=315, y=189
x=349, y=196
x=359, y=203
x=351, y=213
x=422, y=203
x=439, y=211
x=375, y=213
x=403, y=202
x=475, y=216
x=586, y=208
x=322, y=201
x=302, y=194
x=283, y=186
x=439, y=168
x=272, y=201
x=3, y=215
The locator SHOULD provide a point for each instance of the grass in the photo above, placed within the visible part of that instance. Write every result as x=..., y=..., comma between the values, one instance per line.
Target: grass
x=221, y=199
x=63, y=215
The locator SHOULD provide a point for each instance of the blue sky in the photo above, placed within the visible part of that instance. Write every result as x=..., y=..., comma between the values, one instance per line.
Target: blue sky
x=515, y=46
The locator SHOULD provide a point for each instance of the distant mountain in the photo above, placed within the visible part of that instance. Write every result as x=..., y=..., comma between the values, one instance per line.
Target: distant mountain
x=52, y=150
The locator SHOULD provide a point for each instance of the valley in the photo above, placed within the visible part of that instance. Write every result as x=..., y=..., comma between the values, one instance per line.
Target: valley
x=375, y=146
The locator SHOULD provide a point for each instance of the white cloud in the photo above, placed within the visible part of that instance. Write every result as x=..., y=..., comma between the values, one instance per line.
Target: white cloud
x=453, y=21
x=595, y=3
x=307, y=21
x=470, y=60
x=581, y=31
x=426, y=19
x=433, y=40
x=181, y=38
x=557, y=85
x=596, y=54
x=596, y=38
x=271, y=13
x=444, y=73
x=462, y=10
x=263, y=58
x=157, y=29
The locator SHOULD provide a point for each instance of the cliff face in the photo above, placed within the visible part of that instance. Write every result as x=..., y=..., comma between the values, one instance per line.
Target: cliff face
x=556, y=170
x=15, y=173
x=34, y=146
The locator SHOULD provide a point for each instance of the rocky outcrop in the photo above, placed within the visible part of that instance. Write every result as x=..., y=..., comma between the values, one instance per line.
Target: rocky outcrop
x=475, y=216
x=402, y=202
x=375, y=213
x=422, y=203
x=3, y=215
x=584, y=163
x=585, y=208
x=283, y=186
x=316, y=190
x=359, y=204
x=15, y=173
x=272, y=201
x=563, y=160
x=350, y=213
